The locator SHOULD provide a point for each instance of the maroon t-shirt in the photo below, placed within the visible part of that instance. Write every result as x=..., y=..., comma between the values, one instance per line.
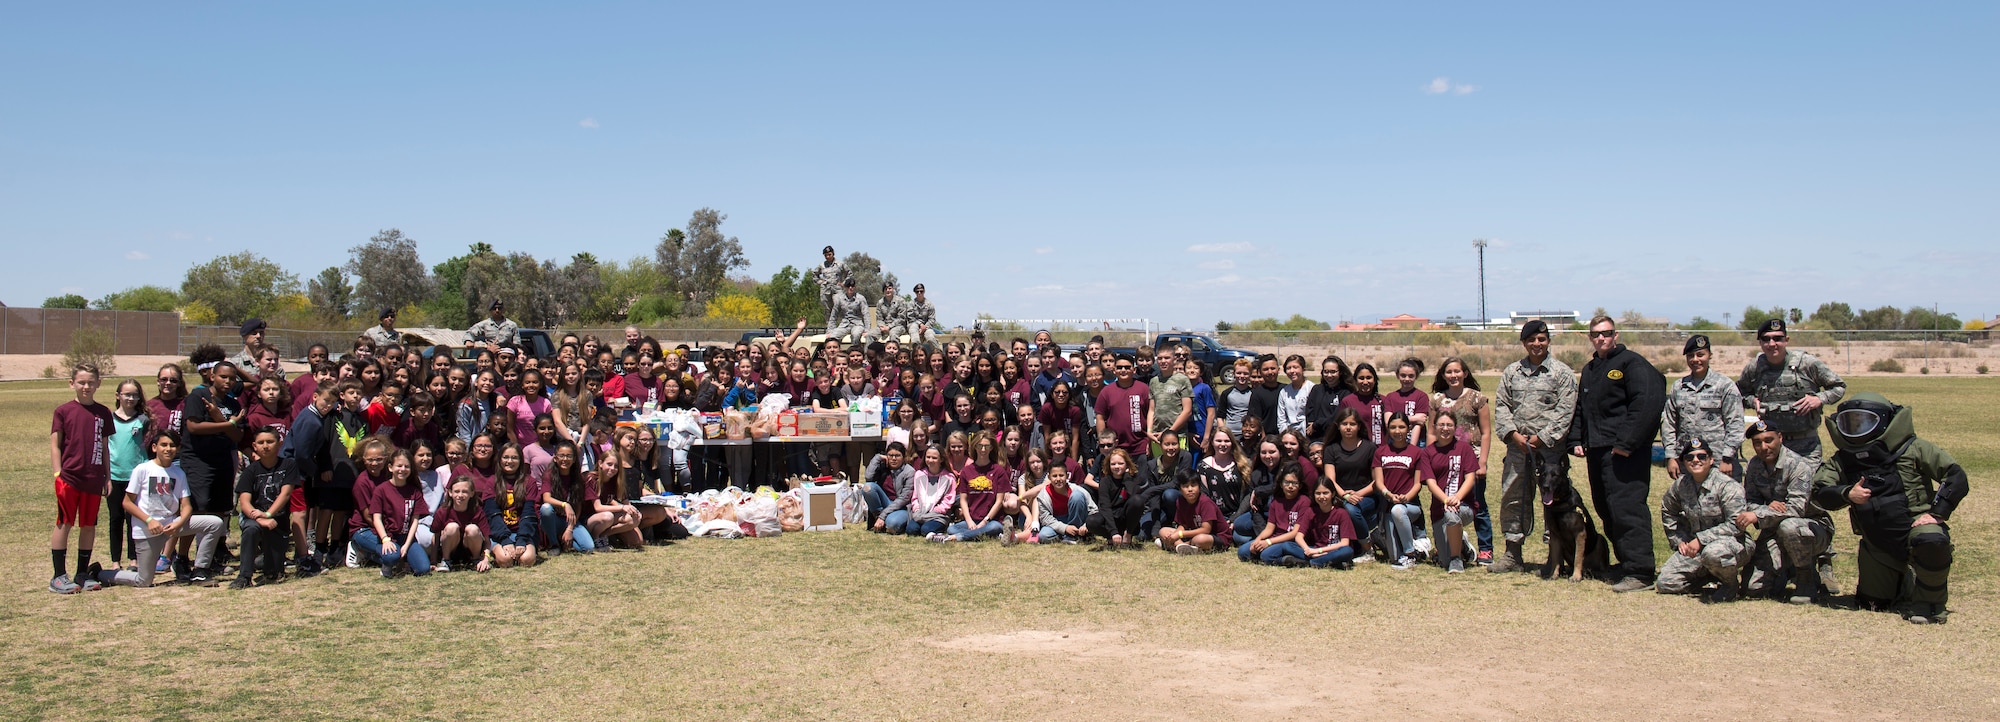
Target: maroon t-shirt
x=1065, y=420
x=642, y=390
x=1124, y=412
x=1410, y=404
x=482, y=480
x=167, y=417
x=1452, y=468
x=1190, y=515
x=303, y=389
x=86, y=464
x=578, y=493
x=255, y=417
x=408, y=433
x=1402, y=468
x=1288, y=515
x=1023, y=391
x=1329, y=525
x=1372, y=414
x=400, y=506
x=364, y=500
x=473, y=517
x=981, y=486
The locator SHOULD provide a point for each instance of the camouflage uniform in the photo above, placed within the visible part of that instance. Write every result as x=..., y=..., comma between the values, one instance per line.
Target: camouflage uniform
x=1778, y=387
x=1703, y=510
x=503, y=331
x=1790, y=541
x=850, y=317
x=1710, y=409
x=830, y=275
x=907, y=315
x=1535, y=400
x=382, y=336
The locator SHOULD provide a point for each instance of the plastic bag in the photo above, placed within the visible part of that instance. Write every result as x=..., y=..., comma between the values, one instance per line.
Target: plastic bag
x=849, y=505
x=758, y=516
x=791, y=512
x=735, y=424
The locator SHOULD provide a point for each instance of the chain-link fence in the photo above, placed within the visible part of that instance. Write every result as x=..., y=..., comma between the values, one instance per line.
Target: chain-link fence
x=47, y=330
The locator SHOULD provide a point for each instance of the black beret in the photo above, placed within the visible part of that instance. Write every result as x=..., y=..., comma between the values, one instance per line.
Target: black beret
x=1529, y=329
x=1771, y=325
x=1695, y=343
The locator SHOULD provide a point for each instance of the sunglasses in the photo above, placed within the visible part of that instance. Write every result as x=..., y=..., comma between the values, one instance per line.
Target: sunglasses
x=169, y=379
x=1603, y=334
x=1698, y=456
x=1769, y=339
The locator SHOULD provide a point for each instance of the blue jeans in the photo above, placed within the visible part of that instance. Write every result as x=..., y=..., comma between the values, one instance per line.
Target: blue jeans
x=1272, y=553
x=1336, y=557
x=1243, y=528
x=896, y=522
x=1405, y=520
x=1482, y=525
x=1363, y=515
x=966, y=532
x=877, y=498
x=925, y=528
x=412, y=554
x=553, y=525
x=1079, y=512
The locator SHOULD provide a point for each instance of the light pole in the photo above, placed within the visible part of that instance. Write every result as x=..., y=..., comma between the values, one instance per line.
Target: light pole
x=1480, y=243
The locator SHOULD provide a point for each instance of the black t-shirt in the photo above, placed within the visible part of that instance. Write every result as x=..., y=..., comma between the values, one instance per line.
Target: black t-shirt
x=262, y=484
x=1352, y=470
x=212, y=453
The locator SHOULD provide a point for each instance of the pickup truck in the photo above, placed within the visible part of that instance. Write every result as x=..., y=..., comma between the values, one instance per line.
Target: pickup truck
x=532, y=341
x=1219, y=360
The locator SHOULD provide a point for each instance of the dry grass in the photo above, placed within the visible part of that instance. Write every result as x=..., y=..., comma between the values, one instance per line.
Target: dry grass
x=854, y=625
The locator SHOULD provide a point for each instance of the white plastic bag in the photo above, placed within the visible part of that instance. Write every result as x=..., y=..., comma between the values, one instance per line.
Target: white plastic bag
x=758, y=516
x=850, y=505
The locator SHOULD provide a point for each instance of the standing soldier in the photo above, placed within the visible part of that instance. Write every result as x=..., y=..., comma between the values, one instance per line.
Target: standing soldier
x=1795, y=536
x=383, y=333
x=1899, y=491
x=1788, y=388
x=850, y=315
x=1703, y=406
x=1618, y=405
x=1701, y=516
x=831, y=275
x=1532, y=410
x=496, y=330
x=888, y=313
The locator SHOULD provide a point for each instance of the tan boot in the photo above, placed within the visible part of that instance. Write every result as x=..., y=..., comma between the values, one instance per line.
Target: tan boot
x=1509, y=561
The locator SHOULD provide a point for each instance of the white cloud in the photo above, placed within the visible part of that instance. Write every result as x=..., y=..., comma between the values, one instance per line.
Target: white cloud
x=1222, y=280
x=590, y=123
x=1441, y=85
x=137, y=256
x=1044, y=250
x=1232, y=247
x=1220, y=264
x=180, y=236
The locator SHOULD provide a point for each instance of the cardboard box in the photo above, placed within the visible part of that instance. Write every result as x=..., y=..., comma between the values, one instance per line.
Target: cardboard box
x=788, y=423
x=823, y=424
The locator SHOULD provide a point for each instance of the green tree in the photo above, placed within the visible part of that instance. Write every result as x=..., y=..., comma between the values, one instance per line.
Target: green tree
x=621, y=286
x=329, y=294
x=1919, y=318
x=1754, y=316
x=652, y=308
x=1886, y=318
x=451, y=306
x=1702, y=324
x=139, y=298
x=388, y=272
x=67, y=300
x=700, y=260
x=238, y=286
x=868, y=276
x=791, y=296
x=1833, y=315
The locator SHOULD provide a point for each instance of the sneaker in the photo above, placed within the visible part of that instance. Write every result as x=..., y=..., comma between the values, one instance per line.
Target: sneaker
x=1457, y=567
x=1007, y=532
x=933, y=536
x=306, y=567
x=1033, y=539
x=1485, y=557
x=1291, y=562
x=183, y=571
x=164, y=564
x=1422, y=547
x=1403, y=563
x=62, y=585
x=1186, y=548
x=1364, y=559
x=201, y=577
x=240, y=583
x=1723, y=594
x=441, y=567
x=353, y=556
x=949, y=538
x=90, y=582
x=265, y=580
x=388, y=572
x=1632, y=584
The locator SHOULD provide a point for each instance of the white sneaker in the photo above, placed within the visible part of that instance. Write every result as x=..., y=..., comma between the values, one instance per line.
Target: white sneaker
x=353, y=556
x=1186, y=548
x=1403, y=563
x=441, y=566
x=1368, y=558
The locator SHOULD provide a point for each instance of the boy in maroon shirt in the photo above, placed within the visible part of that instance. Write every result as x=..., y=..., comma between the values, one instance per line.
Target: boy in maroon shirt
x=1123, y=408
x=81, y=459
x=1196, y=518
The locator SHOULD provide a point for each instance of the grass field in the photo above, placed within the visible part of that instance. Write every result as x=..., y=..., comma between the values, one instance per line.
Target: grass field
x=851, y=625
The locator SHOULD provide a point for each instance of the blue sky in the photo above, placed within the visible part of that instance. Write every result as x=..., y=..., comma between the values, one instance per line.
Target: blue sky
x=1185, y=163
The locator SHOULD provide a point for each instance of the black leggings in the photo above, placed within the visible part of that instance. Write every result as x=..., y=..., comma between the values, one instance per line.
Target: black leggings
x=120, y=525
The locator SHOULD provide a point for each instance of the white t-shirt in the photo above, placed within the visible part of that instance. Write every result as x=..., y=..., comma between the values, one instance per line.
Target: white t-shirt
x=433, y=483
x=160, y=492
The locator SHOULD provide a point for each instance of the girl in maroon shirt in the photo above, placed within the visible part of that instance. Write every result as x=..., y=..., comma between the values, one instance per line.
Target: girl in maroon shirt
x=165, y=407
x=568, y=498
x=1400, y=472
x=460, y=527
x=1366, y=402
x=1410, y=401
x=1284, y=523
x=1292, y=443
x=272, y=407
x=481, y=463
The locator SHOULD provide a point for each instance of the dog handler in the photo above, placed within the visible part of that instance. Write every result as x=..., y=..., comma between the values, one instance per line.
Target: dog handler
x=1899, y=490
x=1618, y=405
x=1531, y=413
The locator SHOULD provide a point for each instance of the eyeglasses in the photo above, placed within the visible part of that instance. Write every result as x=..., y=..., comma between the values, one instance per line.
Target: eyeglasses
x=169, y=379
x=1604, y=334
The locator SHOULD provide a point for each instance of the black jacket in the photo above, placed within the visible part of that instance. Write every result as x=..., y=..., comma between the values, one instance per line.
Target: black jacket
x=1322, y=402
x=1618, y=403
x=1264, y=406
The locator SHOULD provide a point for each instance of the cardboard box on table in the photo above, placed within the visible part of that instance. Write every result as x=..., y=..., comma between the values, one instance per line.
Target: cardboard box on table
x=817, y=424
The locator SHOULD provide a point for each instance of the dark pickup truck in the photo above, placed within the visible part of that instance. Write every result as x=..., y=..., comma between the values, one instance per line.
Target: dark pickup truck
x=1219, y=359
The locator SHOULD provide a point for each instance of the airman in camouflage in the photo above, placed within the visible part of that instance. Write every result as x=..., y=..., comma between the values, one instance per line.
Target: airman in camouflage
x=1699, y=515
x=1787, y=388
x=850, y=315
x=888, y=311
x=1532, y=410
x=915, y=318
x=1703, y=405
x=831, y=274
x=496, y=329
x=384, y=333
x=1794, y=535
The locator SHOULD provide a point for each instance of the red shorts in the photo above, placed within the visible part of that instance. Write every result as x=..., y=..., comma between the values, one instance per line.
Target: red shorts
x=76, y=508
x=298, y=501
